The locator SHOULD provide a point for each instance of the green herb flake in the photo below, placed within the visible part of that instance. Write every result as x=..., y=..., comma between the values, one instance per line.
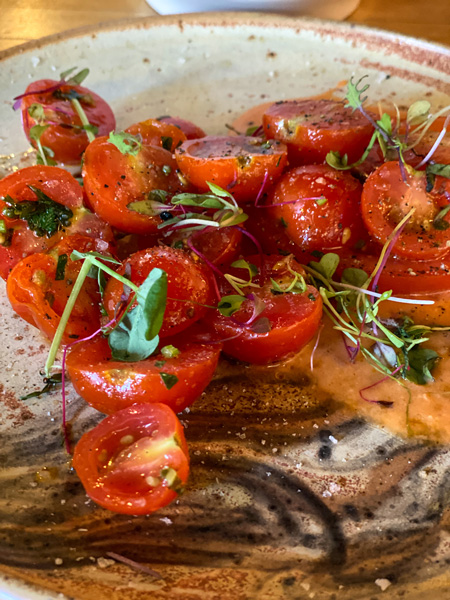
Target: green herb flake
x=44, y=216
x=170, y=351
x=61, y=267
x=166, y=142
x=283, y=223
x=169, y=379
x=321, y=201
x=49, y=384
x=159, y=363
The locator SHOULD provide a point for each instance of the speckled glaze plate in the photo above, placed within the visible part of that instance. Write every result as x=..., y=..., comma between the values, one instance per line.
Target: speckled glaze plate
x=290, y=496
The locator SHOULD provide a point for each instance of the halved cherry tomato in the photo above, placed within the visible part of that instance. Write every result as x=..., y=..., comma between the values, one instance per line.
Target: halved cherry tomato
x=219, y=246
x=390, y=193
x=19, y=240
x=190, y=130
x=319, y=207
x=239, y=164
x=110, y=385
x=38, y=297
x=157, y=133
x=65, y=135
x=400, y=275
x=189, y=288
x=294, y=317
x=135, y=461
x=312, y=128
x=114, y=181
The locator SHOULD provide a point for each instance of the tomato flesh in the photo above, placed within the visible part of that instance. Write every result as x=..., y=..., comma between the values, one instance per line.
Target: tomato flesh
x=312, y=128
x=154, y=132
x=389, y=194
x=240, y=164
x=110, y=385
x=135, y=461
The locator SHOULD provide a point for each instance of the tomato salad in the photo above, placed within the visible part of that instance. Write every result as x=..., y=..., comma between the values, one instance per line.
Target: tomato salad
x=176, y=247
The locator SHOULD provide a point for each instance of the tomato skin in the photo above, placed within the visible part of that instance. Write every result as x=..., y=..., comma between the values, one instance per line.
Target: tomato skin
x=115, y=460
x=60, y=186
x=294, y=319
x=402, y=276
x=153, y=132
x=314, y=226
x=239, y=164
x=188, y=286
x=40, y=300
x=113, y=180
x=68, y=143
x=312, y=128
x=190, y=130
x=387, y=198
x=109, y=385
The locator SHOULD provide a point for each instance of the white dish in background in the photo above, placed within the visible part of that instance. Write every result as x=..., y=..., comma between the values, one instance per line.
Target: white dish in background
x=321, y=9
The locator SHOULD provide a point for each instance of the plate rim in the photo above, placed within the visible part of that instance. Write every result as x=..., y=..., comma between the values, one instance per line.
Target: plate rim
x=233, y=18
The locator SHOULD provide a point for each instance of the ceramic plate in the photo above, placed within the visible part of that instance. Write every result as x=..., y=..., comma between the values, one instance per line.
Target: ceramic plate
x=290, y=496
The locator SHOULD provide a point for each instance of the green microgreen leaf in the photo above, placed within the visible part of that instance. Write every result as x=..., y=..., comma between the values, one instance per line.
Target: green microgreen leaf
x=418, y=112
x=327, y=265
x=49, y=384
x=3, y=228
x=36, y=112
x=251, y=130
x=169, y=379
x=44, y=216
x=76, y=79
x=421, y=362
x=125, y=142
x=135, y=337
x=355, y=92
x=321, y=201
x=353, y=276
x=439, y=221
x=228, y=305
x=262, y=325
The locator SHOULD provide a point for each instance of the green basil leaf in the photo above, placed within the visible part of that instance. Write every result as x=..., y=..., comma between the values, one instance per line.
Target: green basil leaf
x=421, y=362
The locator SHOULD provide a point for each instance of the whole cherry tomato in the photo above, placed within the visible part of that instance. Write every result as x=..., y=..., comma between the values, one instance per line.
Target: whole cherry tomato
x=38, y=205
x=110, y=385
x=155, y=132
x=134, y=461
x=39, y=286
x=319, y=207
x=64, y=133
x=240, y=164
x=190, y=130
x=312, y=128
x=189, y=289
x=390, y=193
x=116, y=182
x=292, y=317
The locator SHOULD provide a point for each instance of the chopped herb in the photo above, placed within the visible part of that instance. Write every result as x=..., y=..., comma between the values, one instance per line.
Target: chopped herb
x=439, y=222
x=283, y=223
x=169, y=379
x=166, y=142
x=44, y=216
x=170, y=351
x=159, y=363
x=61, y=267
x=166, y=169
x=321, y=201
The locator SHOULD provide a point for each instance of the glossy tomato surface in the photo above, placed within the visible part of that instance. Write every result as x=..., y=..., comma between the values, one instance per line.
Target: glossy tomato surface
x=64, y=134
x=312, y=128
x=114, y=182
x=189, y=289
x=242, y=165
x=110, y=385
x=135, y=461
x=154, y=132
x=292, y=318
x=390, y=193
x=319, y=208
x=190, y=130
x=38, y=289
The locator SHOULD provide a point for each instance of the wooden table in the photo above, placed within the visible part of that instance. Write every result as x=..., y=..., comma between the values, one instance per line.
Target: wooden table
x=23, y=20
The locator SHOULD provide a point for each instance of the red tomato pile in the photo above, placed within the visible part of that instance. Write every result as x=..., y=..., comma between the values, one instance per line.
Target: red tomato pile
x=136, y=460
